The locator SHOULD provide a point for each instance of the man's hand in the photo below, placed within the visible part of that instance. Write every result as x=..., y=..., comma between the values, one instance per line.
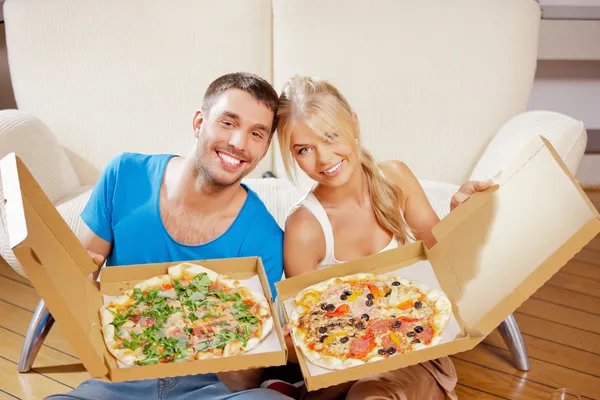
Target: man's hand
x=99, y=260
x=467, y=190
x=238, y=381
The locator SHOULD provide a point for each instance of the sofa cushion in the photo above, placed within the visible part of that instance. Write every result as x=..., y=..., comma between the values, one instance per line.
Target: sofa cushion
x=114, y=76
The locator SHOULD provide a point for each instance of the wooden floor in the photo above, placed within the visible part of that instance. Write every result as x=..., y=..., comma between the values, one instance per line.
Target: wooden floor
x=560, y=324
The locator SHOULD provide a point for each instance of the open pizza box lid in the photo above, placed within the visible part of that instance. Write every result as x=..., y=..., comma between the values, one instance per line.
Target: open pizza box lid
x=58, y=265
x=54, y=260
x=492, y=253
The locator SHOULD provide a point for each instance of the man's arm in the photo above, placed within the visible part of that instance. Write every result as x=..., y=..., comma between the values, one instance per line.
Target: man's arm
x=97, y=247
x=96, y=231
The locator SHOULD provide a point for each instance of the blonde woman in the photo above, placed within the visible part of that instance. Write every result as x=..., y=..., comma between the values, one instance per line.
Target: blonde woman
x=356, y=208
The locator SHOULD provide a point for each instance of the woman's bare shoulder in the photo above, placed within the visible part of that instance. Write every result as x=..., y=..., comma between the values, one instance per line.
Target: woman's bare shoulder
x=303, y=243
x=303, y=229
x=399, y=173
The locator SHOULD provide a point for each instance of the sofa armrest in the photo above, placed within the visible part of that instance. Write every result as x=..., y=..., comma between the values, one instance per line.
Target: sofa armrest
x=567, y=135
x=31, y=140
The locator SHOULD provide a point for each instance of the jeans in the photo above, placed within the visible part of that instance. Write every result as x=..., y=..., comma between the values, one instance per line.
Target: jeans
x=197, y=387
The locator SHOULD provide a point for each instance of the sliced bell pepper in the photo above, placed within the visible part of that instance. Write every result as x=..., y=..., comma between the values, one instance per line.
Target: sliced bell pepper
x=332, y=337
x=341, y=310
x=374, y=291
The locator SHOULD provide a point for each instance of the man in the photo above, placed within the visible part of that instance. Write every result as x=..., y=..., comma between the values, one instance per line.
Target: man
x=161, y=208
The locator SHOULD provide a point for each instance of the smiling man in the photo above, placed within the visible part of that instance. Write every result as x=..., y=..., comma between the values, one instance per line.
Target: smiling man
x=162, y=208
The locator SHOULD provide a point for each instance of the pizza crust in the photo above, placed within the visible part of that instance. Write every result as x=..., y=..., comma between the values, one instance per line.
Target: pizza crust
x=189, y=271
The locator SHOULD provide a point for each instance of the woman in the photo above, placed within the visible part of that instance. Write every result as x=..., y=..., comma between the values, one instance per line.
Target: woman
x=357, y=208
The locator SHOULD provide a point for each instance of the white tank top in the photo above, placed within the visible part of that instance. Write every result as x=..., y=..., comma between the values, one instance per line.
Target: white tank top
x=312, y=204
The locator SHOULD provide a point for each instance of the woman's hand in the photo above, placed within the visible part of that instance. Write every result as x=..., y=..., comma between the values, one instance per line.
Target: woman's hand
x=467, y=190
x=287, y=329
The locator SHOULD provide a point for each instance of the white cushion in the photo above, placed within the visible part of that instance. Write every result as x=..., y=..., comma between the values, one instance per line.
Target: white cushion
x=113, y=76
x=432, y=81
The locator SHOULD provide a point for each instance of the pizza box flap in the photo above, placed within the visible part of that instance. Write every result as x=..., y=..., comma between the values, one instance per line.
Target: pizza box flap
x=53, y=259
x=504, y=243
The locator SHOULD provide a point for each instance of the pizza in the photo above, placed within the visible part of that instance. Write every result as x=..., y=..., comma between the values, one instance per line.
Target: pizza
x=356, y=319
x=190, y=313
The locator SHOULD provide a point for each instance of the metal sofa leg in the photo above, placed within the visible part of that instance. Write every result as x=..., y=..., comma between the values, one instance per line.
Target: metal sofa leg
x=514, y=341
x=39, y=327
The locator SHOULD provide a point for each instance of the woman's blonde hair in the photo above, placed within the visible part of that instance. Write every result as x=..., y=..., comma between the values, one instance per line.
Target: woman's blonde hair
x=326, y=111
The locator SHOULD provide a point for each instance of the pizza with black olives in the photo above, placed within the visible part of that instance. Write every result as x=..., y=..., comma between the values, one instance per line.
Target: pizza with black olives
x=360, y=318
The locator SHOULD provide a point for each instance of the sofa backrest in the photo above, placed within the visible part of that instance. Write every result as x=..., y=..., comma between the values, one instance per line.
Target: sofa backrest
x=431, y=80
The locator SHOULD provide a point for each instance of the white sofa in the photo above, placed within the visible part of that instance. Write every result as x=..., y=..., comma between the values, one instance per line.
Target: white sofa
x=441, y=85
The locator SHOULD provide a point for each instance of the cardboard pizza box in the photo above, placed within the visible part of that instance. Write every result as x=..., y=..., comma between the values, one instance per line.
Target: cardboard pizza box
x=58, y=265
x=492, y=253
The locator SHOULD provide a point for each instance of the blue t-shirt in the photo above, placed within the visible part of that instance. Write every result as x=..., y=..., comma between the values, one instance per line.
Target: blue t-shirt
x=124, y=210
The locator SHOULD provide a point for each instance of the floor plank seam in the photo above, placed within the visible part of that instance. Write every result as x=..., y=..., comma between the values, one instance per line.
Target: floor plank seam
x=43, y=344
x=505, y=373
x=546, y=361
x=587, y=278
x=16, y=280
x=482, y=391
x=10, y=394
x=565, y=306
x=557, y=323
x=15, y=305
x=571, y=290
x=39, y=373
x=594, y=250
x=559, y=343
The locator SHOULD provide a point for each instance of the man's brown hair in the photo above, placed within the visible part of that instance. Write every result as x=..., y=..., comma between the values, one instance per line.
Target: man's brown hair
x=256, y=86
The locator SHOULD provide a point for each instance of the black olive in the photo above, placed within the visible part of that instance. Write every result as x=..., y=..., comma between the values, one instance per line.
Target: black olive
x=396, y=324
x=369, y=303
x=330, y=307
x=322, y=329
x=344, y=339
x=370, y=296
x=360, y=325
x=391, y=350
x=410, y=334
x=395, y=283
x=314, y=313
x=388, y=293
x=323, y=306
x=365, y=317
x=347, y=293
x=418, y=304
x=344, y=297
x=418, y=329
x=416, y=341
x=381, y=352
x=322, y=338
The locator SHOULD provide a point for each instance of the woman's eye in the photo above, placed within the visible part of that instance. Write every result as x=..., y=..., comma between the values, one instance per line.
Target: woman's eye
x=304, y=150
